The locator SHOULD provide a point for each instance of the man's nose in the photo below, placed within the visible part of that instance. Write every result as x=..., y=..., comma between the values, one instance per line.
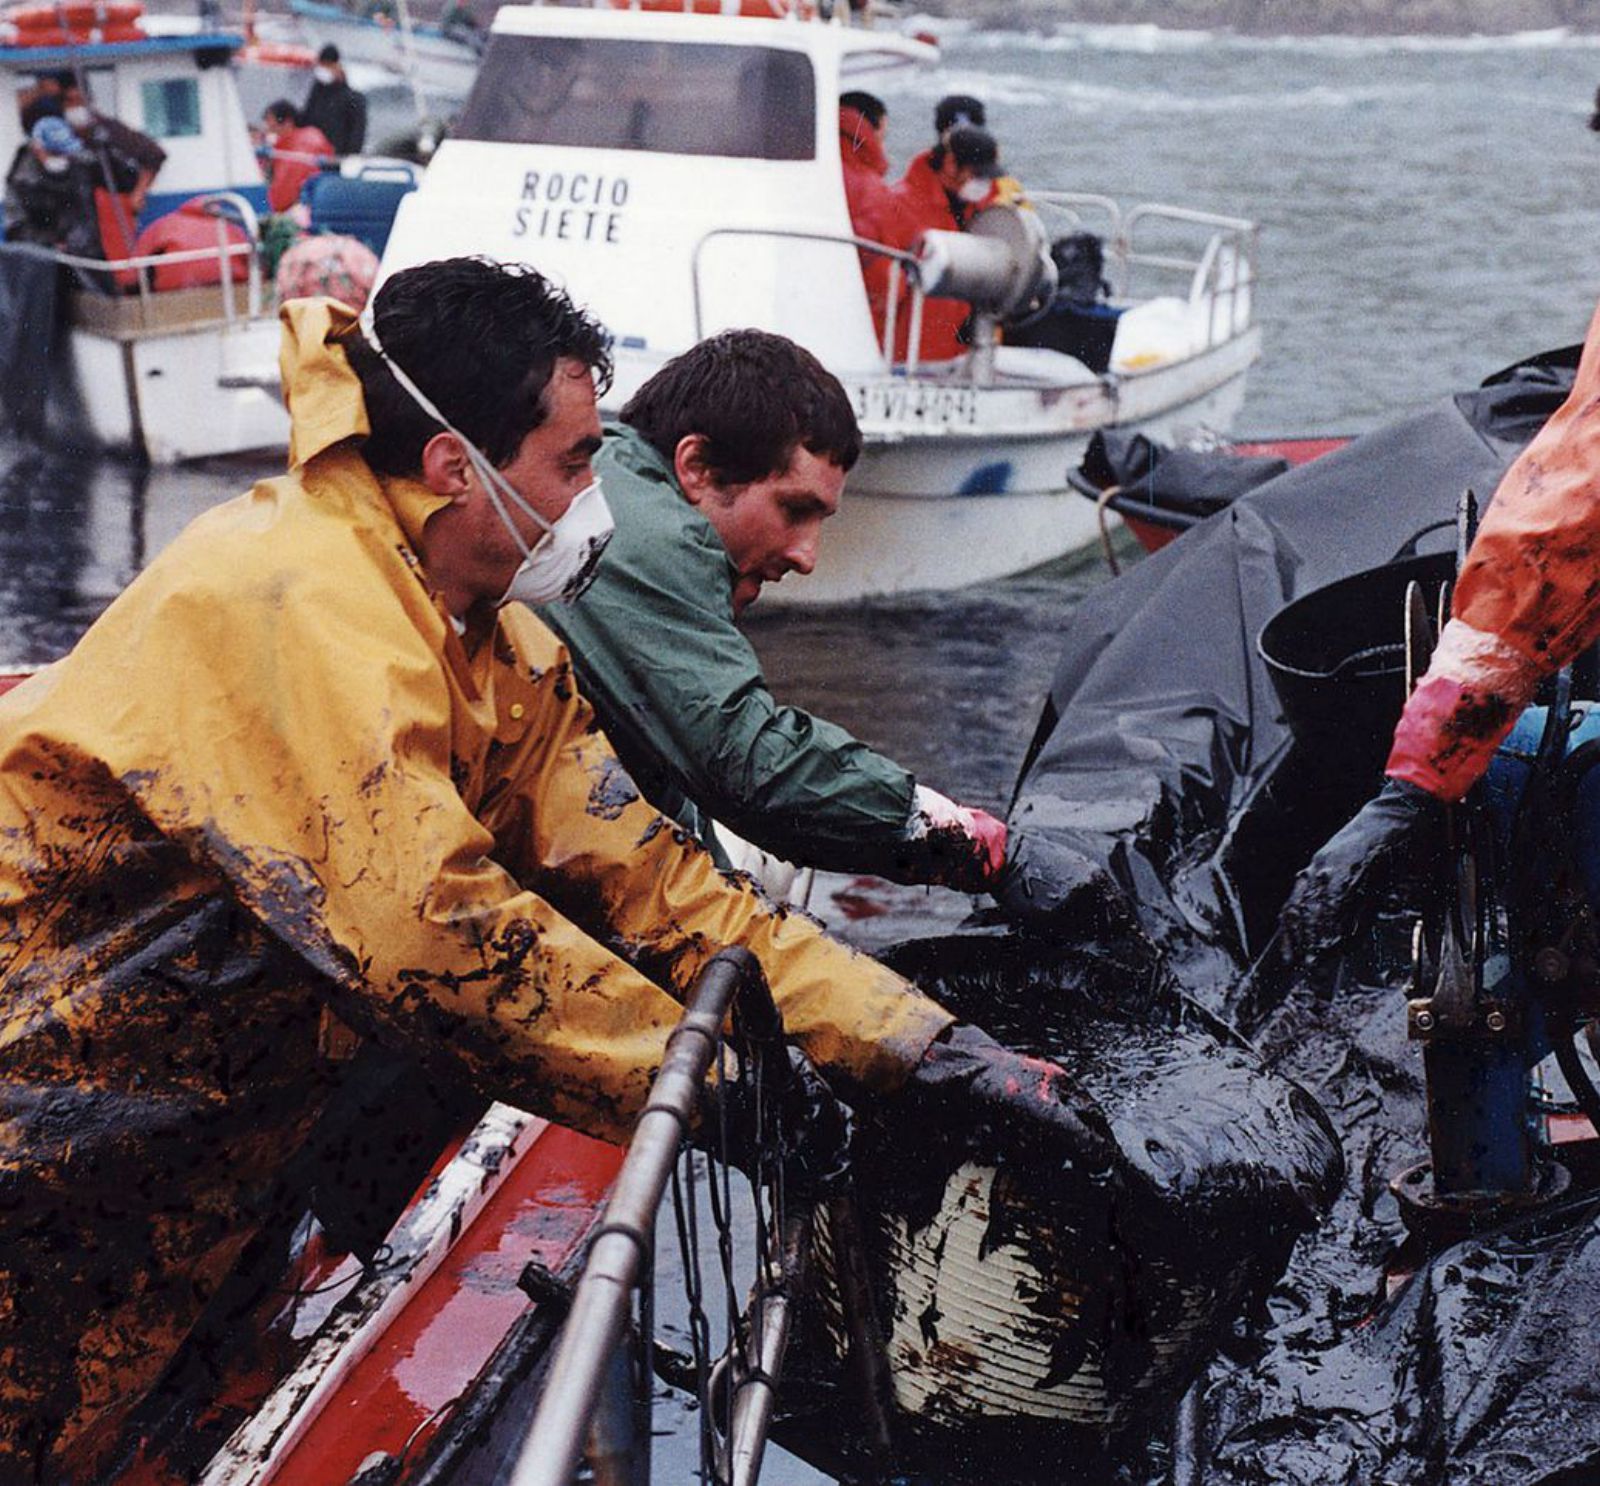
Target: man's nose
x=803, y=552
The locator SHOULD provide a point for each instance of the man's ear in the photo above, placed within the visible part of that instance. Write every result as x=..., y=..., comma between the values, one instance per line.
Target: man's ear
x=446, y=470
x=692, y=471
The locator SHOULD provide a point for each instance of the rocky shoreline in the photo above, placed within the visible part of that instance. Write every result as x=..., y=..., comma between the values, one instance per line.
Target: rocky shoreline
x=1287, y=17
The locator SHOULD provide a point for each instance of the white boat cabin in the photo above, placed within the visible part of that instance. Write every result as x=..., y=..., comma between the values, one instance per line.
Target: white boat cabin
x=662, y=166
x=179, y=90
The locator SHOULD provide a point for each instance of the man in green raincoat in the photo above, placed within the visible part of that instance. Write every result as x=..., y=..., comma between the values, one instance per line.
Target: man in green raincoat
x=721, y=472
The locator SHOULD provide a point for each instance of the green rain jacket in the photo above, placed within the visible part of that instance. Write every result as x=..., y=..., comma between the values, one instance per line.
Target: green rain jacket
x=680, y=693
x=272, y=804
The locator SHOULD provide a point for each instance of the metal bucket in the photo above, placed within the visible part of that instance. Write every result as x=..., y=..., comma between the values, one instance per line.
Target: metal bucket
x=1336, y=656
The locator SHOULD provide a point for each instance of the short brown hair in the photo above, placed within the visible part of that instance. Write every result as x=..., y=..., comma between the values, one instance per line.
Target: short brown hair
x=754, y=397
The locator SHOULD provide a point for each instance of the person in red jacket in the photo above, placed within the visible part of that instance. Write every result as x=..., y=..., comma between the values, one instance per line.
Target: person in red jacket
x=295, y=152
x=955, y=177
x=1526, y=602
x=951, y=112
x=877, y=212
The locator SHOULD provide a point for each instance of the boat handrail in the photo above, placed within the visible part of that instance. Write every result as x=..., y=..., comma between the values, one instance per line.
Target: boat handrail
x=900, y=262
x=588, y=1383
x=217, y=204
x=1072, y=204
x=1222, y=274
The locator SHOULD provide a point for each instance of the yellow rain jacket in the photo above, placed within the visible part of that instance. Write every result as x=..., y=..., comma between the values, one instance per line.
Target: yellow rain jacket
x=272, y=804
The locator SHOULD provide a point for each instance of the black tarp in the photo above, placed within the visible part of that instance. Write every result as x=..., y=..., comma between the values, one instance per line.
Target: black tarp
x=29, y=325
x=1163, y=752
x=1172, y=487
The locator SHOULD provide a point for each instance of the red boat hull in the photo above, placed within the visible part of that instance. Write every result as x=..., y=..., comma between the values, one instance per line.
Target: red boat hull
x=1153, y=538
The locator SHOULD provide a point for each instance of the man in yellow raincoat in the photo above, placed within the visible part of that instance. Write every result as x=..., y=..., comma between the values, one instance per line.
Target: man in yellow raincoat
x=312, y=780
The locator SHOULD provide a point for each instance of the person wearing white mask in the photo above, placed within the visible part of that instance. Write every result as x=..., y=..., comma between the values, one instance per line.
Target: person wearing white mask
x=125, y=158
x=317, y=783
x=333, y=106
x=941, y=191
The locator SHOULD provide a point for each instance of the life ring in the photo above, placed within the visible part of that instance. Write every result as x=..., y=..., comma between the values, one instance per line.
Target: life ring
x=78, y=22
x=277, y=54
x=758, y=9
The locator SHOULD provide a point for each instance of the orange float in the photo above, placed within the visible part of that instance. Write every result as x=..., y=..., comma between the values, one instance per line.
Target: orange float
x=277, y=54
x=79, y=23
x=190, y=227
x=760, y=9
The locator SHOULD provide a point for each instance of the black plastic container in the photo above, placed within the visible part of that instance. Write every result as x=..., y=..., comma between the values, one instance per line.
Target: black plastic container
x=1337, y=660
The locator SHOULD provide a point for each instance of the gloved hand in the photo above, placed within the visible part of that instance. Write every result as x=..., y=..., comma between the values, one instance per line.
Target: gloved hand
x=1049, y=887
x=967, y=847
x=1394, y=835
x=810, y=1138
x=1003, y=1103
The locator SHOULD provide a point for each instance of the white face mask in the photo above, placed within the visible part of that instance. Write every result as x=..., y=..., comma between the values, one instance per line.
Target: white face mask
x=563, y=562
x=79, y=116
x=56, y=164
x=975, y=191
x=322, y=74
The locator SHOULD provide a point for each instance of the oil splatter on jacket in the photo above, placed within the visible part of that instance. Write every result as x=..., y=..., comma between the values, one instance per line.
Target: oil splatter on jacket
x=272, y=804
x=1526, y=602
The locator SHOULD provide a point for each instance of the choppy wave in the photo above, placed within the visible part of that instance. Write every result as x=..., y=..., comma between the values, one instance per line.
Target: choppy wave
x=1148, y=39
x=1077, y=95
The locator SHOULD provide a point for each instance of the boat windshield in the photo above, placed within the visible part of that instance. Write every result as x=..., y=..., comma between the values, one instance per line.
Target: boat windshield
x=678, y=98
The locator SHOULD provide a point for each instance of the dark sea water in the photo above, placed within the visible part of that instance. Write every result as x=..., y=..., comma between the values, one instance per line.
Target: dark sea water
x=1430, y=211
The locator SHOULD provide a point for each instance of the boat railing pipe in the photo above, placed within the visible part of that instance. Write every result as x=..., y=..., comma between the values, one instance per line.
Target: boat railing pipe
x=219, y=204
x=603, y=1301
x=899, y=261
x=1224, y=270
x=1073, y=204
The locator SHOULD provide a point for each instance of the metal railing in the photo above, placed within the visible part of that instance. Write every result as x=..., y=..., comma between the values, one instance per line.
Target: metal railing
x=219, y=205
x=1220, y=275
x=900, y=263
x=591, y=1397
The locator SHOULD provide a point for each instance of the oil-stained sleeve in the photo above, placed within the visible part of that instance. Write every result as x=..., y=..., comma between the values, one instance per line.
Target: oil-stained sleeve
x=681, y=692
x=573, y=826
x=308, y=757
x=1527, y=600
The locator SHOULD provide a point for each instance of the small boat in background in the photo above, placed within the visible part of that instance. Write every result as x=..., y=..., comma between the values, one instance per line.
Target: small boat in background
x=1161, y=491
x=679, y=172
x=159, y=335
x=439, y=61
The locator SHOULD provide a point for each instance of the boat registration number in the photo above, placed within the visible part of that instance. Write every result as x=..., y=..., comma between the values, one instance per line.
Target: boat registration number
x=918, y=405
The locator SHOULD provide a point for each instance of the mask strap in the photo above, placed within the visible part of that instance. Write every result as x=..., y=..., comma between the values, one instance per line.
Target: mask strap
x=499, y=488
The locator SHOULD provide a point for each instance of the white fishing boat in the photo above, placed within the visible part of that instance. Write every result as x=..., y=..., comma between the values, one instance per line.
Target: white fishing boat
x=157, y=352
x=439, y=63
x=680, y=173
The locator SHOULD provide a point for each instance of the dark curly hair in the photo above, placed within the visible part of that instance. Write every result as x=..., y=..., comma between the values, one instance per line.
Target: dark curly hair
x=754, y=397
x=481, y=339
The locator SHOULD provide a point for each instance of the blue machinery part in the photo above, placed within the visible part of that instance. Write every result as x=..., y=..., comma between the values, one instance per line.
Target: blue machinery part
x=1507, y=971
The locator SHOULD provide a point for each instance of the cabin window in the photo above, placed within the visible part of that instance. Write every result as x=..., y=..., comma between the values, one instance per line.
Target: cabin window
x=171, y=107
x=674, y=98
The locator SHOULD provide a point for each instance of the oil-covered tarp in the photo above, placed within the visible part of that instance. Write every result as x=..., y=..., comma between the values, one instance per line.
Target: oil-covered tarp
x=1163, y=751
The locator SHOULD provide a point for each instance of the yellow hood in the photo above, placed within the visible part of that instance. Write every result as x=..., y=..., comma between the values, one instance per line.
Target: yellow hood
x=326, y=409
